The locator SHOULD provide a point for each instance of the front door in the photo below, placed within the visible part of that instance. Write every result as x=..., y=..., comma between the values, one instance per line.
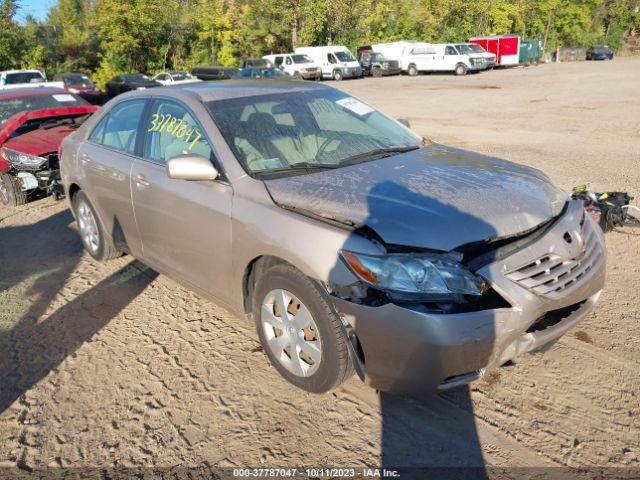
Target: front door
x=185, y=225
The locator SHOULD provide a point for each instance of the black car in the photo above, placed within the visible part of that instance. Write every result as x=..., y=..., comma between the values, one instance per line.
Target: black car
x=257, y=73
x=374, y=63
x=81, y=85
x=213, y=72
x=599, y=52
x=125, y=83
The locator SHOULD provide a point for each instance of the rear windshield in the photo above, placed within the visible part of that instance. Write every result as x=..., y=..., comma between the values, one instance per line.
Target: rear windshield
x=23, y=77
x=10, y=107
x=344, y=56
x=78, y=80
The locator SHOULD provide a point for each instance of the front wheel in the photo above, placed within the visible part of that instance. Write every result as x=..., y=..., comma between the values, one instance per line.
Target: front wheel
x=337, y=75
x=91, y=232
x=302, y=336
x=461, y=69
x=412, y=71
x=11, y=192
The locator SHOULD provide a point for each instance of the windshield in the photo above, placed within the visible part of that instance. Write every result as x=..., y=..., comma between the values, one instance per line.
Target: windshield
x=178, y=76
x=10, y=107
x=466, y=48
x=24, y=77
x=301, y=59
x=295, y=132
x=377, y=57
x=260, y=73
x=78, y=80
x=344, y=56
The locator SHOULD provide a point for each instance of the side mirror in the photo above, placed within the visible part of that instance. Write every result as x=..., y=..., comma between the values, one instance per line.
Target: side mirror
x=404, y=122
x=191, y=167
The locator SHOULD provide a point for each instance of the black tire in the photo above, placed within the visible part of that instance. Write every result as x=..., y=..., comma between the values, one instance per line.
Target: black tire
x=337, y=75
x=105, y=250
x=11, y=193
x=376, y=72
x=297, y=75
x=461, y=69
x=412, y=70
x=335, y=365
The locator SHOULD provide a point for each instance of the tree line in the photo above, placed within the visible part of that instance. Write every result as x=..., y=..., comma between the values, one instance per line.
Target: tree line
x=107, y=37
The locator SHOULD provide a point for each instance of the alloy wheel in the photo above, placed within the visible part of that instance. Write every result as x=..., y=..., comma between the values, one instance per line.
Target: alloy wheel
x=291, y=333
x=88, y=227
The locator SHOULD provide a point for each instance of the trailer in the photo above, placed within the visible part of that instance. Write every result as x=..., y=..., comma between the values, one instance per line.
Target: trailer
x=505, y=47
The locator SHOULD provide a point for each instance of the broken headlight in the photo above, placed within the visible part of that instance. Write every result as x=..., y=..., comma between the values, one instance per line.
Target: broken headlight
x=19, y=159
x=417, y=276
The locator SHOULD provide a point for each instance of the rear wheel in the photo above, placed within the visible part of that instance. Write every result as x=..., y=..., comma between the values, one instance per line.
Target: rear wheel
x=302, y=336
x=461, y=69
x=11, y=193
x=376, y=72
x=337, y=75
x=91, y=231
x=412, y=71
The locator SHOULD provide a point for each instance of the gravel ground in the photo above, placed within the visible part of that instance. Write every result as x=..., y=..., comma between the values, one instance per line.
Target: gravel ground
x=111, y=365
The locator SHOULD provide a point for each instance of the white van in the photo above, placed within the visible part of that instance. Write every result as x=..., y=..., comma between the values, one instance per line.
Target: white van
x=335, y=61
x=415, y=57
x=296, y=64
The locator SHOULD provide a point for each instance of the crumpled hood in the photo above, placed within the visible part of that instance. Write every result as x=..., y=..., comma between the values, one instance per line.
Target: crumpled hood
x=40, y=141
x=435, y=197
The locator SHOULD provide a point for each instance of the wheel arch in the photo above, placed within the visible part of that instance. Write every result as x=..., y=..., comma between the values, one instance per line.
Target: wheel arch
x=252, y=272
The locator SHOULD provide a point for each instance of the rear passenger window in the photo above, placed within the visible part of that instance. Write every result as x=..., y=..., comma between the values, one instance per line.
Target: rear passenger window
x=122, y=125
x=172, y=131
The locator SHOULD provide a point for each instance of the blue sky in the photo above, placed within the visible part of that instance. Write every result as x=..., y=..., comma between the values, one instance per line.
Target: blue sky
x=37, y=8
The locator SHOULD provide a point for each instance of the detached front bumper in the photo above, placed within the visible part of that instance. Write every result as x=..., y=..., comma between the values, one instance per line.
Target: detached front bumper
x=407, y=349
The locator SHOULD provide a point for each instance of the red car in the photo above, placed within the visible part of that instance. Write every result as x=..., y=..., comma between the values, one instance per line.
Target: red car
x=505, y=47
x=33, y=122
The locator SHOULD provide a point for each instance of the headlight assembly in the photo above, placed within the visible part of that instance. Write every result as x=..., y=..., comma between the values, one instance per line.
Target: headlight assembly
x=416, y=276
x=19, y=159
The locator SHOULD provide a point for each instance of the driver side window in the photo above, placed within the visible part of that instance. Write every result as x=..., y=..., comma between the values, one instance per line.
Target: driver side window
x=172, y=131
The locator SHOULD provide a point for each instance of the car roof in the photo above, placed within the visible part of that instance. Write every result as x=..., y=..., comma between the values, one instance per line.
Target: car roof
x=21, y=71
x=228, y=89
x=29, y=91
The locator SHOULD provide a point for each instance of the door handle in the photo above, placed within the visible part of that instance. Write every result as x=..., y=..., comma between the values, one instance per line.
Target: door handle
x=141, y=181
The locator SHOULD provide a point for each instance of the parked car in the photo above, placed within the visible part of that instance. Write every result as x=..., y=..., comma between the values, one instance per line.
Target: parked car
x=127, y=82
x=33, y=122
x=214, y=72
x=506, y=48
x=257, y=63
x=375, y=64
x=599, y=52
x=416, y=57
x=260, y=73
x=296, y=65
x=81, y=85
x=175, y=77
x=25, y=78
x=335, y=61
x=353, y=243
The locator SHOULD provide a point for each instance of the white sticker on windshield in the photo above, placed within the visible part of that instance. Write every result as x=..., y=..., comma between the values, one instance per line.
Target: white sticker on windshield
x=64, y=98
x=356, y=106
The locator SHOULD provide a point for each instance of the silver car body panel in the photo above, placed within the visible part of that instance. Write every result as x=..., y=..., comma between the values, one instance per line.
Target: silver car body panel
x=206, y=234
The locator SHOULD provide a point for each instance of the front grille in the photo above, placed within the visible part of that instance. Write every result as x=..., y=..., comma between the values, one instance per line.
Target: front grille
x=551, y=274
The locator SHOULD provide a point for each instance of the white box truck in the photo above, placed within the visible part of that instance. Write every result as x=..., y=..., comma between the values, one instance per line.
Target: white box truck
x=336, y=61
x=296, y=64
x=416, y=57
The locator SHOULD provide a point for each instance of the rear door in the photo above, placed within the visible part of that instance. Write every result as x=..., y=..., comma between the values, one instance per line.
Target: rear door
x=185, y=225
x=106, y=159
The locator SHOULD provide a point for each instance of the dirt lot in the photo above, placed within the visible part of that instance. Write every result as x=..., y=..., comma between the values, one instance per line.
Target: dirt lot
x=113, y=365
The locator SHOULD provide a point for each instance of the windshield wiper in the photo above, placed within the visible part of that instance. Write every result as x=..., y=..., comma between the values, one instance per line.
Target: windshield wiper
x=376, y=154
x=299, y=167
